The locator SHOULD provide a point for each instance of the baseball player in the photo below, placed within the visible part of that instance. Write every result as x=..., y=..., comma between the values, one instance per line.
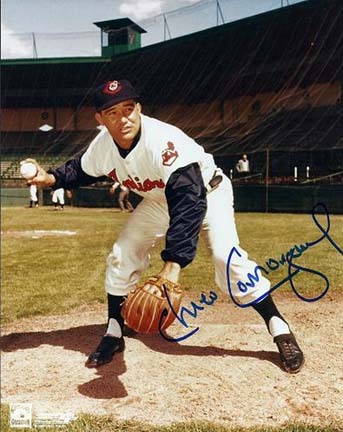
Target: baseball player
x=123, y=199
x=33, y=196
x=184, y=191
x=58, y=198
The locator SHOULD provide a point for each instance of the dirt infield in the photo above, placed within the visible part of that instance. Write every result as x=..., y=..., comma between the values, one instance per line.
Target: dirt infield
x=228, y=372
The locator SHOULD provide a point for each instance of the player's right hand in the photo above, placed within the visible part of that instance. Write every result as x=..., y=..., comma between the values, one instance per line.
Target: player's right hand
x=42, y=178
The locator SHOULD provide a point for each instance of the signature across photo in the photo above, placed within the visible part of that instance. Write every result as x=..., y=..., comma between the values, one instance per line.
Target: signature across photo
x=252, y=279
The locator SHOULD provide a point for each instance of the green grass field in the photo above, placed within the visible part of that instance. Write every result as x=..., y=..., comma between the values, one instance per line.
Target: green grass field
x=54, y=275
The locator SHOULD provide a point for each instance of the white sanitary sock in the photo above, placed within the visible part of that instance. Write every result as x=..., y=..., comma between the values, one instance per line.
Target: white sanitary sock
x=113, y=328
x=277, y=326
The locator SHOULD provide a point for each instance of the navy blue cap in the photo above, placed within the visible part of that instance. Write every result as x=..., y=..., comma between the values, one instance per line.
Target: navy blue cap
x=112, y=92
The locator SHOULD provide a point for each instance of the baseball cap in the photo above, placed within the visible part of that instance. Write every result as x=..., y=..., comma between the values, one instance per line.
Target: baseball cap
x=113, y=92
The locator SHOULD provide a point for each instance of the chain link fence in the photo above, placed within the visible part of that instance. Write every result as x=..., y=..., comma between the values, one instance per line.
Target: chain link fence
x=195, y=17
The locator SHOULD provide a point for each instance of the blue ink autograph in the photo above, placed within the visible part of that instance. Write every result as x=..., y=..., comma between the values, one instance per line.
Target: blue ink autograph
x=293, y=269
x=193, y=313
x=272, y=264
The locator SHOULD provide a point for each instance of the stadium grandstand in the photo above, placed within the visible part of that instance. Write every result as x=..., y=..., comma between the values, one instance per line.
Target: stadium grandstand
x=269, y=86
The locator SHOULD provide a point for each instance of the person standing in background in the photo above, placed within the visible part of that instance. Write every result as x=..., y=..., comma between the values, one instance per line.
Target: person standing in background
x=58, y=198
x=33, y=196
x=123, y=199
x=242, y=165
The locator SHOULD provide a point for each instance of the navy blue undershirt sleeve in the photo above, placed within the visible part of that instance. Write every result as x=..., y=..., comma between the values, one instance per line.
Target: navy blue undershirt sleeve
x=187, y=205
x=70, y=175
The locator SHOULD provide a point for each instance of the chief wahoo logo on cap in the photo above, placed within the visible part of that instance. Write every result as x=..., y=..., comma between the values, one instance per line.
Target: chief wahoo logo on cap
x=112, y=87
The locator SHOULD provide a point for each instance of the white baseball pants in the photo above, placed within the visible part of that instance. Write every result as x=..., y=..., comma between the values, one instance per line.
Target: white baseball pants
x=150, y=221
x=33, y=193
x=58, y=196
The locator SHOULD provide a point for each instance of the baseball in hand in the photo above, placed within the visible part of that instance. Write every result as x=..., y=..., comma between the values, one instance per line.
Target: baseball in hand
x=28, y=170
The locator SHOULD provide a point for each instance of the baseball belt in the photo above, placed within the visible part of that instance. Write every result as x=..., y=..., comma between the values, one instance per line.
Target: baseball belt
x=215, y=181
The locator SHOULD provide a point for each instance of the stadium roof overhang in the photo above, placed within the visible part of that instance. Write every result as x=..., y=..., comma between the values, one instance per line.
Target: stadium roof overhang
x=260, y=53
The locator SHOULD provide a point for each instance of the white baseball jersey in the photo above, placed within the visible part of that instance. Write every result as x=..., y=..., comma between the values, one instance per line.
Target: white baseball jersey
x=243, y=166
x=161, y=150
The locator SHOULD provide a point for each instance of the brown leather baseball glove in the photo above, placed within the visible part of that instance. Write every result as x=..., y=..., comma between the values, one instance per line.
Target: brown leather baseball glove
x=144, y=306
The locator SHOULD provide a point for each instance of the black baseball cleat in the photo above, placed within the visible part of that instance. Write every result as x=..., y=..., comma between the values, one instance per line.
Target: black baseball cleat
x=291, y=355
x=105, y=351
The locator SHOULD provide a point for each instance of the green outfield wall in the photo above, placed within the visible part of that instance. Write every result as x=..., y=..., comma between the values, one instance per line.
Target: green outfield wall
x=288, y=199
x=18, y=197
x=248, y=198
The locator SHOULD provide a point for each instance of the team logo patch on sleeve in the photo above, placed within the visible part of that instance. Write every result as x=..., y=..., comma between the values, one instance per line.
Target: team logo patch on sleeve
x=169, y=155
